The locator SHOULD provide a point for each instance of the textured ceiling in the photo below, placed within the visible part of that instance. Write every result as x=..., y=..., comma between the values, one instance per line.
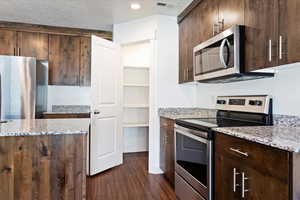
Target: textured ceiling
x=92, y=14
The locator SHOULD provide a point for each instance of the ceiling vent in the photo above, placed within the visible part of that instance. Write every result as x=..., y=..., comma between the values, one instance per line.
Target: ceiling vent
x=164, y=4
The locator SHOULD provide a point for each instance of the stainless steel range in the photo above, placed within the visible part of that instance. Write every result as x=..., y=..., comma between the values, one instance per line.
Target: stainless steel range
x=194, y=139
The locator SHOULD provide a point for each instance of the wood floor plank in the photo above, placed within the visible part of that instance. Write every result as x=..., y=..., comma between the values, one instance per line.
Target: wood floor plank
x=130, y=181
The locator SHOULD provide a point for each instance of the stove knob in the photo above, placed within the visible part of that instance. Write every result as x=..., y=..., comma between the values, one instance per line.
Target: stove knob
x=258, y=103
x=251, y=102
x=221, y=102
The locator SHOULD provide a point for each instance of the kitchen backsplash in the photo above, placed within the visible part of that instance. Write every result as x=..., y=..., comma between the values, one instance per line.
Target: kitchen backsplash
x=67, y=95
x=71, y=108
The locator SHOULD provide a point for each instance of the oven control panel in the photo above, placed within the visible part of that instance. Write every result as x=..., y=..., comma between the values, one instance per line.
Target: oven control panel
x=255, y=104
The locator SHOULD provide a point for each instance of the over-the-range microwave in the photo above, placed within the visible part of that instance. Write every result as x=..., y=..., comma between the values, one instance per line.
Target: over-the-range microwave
x=221, y=58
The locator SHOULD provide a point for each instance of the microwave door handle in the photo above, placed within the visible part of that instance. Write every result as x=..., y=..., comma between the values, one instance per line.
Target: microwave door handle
x=223, y=62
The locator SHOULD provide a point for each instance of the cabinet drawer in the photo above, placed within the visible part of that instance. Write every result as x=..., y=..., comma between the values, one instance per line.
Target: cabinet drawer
x=265, y=159
x=168, y=123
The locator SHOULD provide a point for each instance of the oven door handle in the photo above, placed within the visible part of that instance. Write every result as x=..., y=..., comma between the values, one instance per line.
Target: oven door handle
x=223, y=62
x=190, y=135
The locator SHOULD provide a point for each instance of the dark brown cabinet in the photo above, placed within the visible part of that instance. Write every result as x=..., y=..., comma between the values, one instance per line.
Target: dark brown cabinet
x=272, y=29
x=85, y=61
x=68, y=50
x=244, y=169
x=8, y=42
x=231, y=12
x=33, y=45
x=205, y=19
x=64, y=60
x=261, y=34
x=185, y=51
x=289, y=31
x=167, y=149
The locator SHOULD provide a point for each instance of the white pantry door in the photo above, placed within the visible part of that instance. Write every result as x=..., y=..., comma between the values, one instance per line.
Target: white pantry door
x=106, y=143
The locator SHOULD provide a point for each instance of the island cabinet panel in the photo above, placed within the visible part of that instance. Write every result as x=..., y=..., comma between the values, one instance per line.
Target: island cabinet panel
x=64, y=60
x=261, y=34
x=264, y=173
x=167, y=150
x=8, y=41
x=43, y=167
x=33, y=45
x=289, y=31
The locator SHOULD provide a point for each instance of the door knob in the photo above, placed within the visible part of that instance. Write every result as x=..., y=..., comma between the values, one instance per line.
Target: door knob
x=96, y=112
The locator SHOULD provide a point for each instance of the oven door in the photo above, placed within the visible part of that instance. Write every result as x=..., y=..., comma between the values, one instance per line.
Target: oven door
x=219, y=56
x=193, y=157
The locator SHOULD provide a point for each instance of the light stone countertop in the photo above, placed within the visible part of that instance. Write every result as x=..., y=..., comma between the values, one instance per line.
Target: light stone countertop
x=177, y=113
x=36, y=127
x=285, y=138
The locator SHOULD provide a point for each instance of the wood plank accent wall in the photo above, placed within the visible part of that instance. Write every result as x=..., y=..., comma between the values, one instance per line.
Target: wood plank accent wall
x=43, y=167
x=54, y=30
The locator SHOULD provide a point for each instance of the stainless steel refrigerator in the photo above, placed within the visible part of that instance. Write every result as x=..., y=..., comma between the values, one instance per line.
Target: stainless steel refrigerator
x=23, y=87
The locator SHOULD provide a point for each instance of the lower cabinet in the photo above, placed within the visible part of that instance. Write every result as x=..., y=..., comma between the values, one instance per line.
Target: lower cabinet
x=247, y=170
x=167, y=149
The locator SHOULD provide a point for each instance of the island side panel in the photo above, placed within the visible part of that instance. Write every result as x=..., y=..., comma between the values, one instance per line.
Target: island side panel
x=43, y=167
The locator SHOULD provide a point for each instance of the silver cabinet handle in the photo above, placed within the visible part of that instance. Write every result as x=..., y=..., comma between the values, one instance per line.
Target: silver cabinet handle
x=239, y=152
x=280, y=47
x=234, y=179
x=243, y=185
x=270, y=50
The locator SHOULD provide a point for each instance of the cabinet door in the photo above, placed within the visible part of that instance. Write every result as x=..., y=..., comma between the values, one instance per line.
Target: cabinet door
x=289, y=31
x=85, y=61
x=8, y=42
x=231, y=12
x=185, y=50
x=64, y=60
x=224, y=178
x=33, y=45
x=261, y=42
x=255, y=181
x=206, y=14
x=162, y=162
x=170, y=160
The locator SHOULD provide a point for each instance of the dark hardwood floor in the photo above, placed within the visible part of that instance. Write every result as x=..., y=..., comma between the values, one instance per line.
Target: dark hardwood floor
x=129, y=181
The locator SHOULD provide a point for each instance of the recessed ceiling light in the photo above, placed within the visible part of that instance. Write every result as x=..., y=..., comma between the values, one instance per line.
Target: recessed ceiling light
x=135, y=6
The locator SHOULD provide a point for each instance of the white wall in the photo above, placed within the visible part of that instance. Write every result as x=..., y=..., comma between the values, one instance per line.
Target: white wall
x=162, y=31
x=68, y=95
x=283, y=88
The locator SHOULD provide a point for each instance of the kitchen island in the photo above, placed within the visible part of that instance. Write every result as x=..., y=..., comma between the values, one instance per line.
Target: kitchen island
x=43, y=159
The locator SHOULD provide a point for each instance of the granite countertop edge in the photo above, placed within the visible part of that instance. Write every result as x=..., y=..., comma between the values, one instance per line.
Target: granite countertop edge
x=186, y=112
x=42, y=133
x=245, y=133
x=43, y=127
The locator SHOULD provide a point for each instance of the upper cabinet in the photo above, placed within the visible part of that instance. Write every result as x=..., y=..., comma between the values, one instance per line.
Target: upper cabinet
x=8, y=42
x=68, y=50
x=64, y=60
x=261, y=34
x=200, y=22
x=85, y=61
x=231, y=12
x=272, y=29
x=33, y=45
x=289, y=31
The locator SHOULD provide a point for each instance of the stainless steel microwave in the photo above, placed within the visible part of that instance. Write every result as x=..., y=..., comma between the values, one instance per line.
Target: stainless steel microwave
x=221, y=58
